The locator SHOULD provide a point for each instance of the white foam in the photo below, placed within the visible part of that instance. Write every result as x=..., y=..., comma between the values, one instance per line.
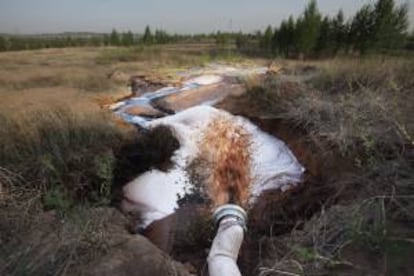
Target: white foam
x=273, y=165
x=204, y=80
x=157, y=193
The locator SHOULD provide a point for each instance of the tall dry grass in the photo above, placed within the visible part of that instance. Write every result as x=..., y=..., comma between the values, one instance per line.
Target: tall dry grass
x=353, y=104
x=361, y=109
x=57, y=156
x=61, y=151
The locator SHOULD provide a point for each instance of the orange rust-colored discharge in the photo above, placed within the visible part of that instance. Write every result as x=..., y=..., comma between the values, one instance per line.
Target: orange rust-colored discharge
x=225, y=145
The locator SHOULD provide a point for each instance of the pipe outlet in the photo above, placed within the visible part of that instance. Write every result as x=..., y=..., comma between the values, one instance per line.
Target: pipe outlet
x=230, y=221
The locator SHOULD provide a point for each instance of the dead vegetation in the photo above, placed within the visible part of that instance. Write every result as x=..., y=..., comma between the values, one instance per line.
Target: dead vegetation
x=361, y=111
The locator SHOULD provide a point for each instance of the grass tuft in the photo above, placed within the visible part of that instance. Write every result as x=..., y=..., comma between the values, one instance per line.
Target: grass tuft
x=61, y=152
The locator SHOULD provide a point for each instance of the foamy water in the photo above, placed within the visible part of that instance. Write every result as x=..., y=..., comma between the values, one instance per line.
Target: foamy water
x=209, y=75
x=270, y=162
x=241, y=160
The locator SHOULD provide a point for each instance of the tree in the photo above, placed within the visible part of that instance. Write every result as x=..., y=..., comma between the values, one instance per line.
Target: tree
x=147, y=38
x=275, y=42
x=308, y=29
x=114, y=38
x=339, y=31
x=3, y=44
x=410, y=42
x=379, y=26
x=241, y=41
x=285, y=40
x=291, y=36
x=266, y=40
x=161, y=37
x=128, y=39
x=325, y=42
x=106, y=40
x=222, y=39
x=391, y=24
x=362, y=29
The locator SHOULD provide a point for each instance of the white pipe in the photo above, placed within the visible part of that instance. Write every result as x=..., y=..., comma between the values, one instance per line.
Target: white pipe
x=222, y=259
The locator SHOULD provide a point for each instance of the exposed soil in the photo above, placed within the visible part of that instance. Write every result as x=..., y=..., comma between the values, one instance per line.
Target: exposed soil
x=277, y=213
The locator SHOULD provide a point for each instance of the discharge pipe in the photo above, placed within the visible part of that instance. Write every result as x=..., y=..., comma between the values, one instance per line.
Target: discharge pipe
x=230, y=221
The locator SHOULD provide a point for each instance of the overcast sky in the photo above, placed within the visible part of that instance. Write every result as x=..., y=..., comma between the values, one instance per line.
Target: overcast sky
x=181, y=16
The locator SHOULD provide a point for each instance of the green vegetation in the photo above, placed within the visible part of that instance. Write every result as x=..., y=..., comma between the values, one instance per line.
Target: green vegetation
x=374, y=27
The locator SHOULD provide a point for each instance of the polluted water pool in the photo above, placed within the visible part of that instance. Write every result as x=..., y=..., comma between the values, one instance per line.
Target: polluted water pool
x=239, y=161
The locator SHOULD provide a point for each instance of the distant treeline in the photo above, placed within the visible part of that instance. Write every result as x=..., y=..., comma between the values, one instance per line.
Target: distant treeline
x=375, y=27
x=115, y=38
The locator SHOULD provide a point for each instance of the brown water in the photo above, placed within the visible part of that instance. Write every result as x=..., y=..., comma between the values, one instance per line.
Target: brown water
x=226, y=148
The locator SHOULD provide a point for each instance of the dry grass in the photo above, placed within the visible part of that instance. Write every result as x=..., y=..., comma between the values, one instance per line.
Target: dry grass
x=57, y=153
x=362, y=109
x=65, y=154
x=351, y=104
x=52, y=244
x=35, y=242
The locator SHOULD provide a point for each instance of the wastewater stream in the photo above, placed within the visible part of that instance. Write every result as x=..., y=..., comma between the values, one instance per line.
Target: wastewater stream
x=236, y=160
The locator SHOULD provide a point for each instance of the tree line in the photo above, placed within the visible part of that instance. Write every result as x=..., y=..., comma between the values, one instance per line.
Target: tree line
x=378, y=26
x=115, y=38
x=375, y=27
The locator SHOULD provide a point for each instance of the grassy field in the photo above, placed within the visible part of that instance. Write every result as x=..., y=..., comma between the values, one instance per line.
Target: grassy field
x=58, y=151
